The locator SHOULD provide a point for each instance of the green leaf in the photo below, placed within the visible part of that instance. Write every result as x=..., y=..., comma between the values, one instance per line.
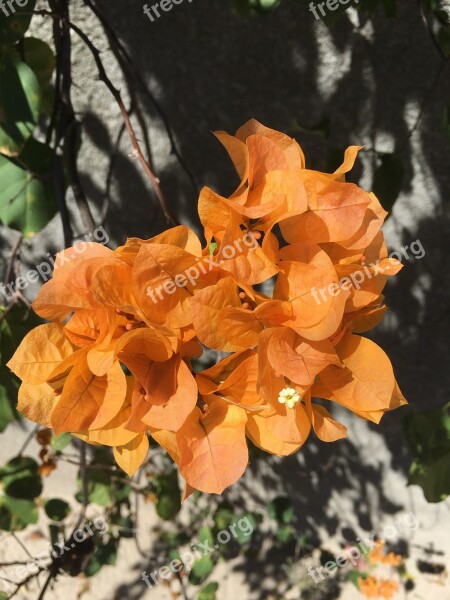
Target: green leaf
x=388, y=180
x=13, y=328
x=209, y=591
x=13, y=25
x=428, y=436
x=168, y=493
x=243, y=535
x=105, y=554
x=447, y=120
x=285, y=534
x=21, y=479
x=27, y=196
x=206, y=535
x=389, y=7
x=223, y=517
x=20, y=102
x=99, y=488
x=6, y=518
x=281, y=510
x=354, y=575
x=60, y=442
x=7, y=412
x=40, y=58
x=56, y=509
x=443, y=38
x=201, y=569
x=16, y=514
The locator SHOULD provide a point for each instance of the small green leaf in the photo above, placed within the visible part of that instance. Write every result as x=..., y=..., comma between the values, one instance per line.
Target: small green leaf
x=40, y=58
x=168, y=493
x=105, y=554
x=285, y=534
x=201, y=569
x=281, y=510
x=443, y=38
x=60, y=442
x=99, y=489
x=16, y=514
x=27, y=197
x=21, y=479
x=243, y=535
x=57, y=509
x=20, y=102
x=14, y=24
x=209, y=591
x=223, y=517
x=7, y=412
x=428, y=436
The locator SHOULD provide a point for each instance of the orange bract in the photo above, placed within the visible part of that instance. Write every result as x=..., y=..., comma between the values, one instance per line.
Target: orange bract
x=114, y=365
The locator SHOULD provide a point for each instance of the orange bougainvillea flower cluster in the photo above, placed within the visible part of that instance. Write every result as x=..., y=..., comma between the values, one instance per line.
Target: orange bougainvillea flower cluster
x=372, y=587
x=291, y=274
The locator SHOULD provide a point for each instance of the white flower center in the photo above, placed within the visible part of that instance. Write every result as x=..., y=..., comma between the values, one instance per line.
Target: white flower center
x=289, y=397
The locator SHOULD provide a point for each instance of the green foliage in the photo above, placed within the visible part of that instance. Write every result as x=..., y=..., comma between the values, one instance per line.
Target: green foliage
x=100, y=488
x=13, y=327
x=428, y=436
x=27, y=194
x=16, y=514
x=168, y=493
x=208, y=592
x=20, y=103
x=201, y=569
x=14, y=26
x=281, y=510
x=20, y=478
x=21, y=484
x=56, y=509
x=60, y=442
x=105, y=554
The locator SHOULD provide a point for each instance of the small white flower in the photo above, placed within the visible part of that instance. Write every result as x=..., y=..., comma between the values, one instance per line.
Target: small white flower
x=289, y=397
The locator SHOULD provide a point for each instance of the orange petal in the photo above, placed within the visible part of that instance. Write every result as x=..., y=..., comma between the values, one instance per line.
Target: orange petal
x=131, y=456
x=367, y=382
x=40, y=352
x=207, y=305
x=213, y=449
x=88, y=401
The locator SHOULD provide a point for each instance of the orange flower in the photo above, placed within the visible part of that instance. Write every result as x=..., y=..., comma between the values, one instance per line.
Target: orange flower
x=372, y=587
x=114, y=364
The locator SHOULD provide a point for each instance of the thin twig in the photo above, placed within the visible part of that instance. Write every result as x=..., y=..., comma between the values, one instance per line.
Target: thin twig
x=29, y=438
x=11, y=260
x=137, y=150
x=118, y=98
x=137, y=75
